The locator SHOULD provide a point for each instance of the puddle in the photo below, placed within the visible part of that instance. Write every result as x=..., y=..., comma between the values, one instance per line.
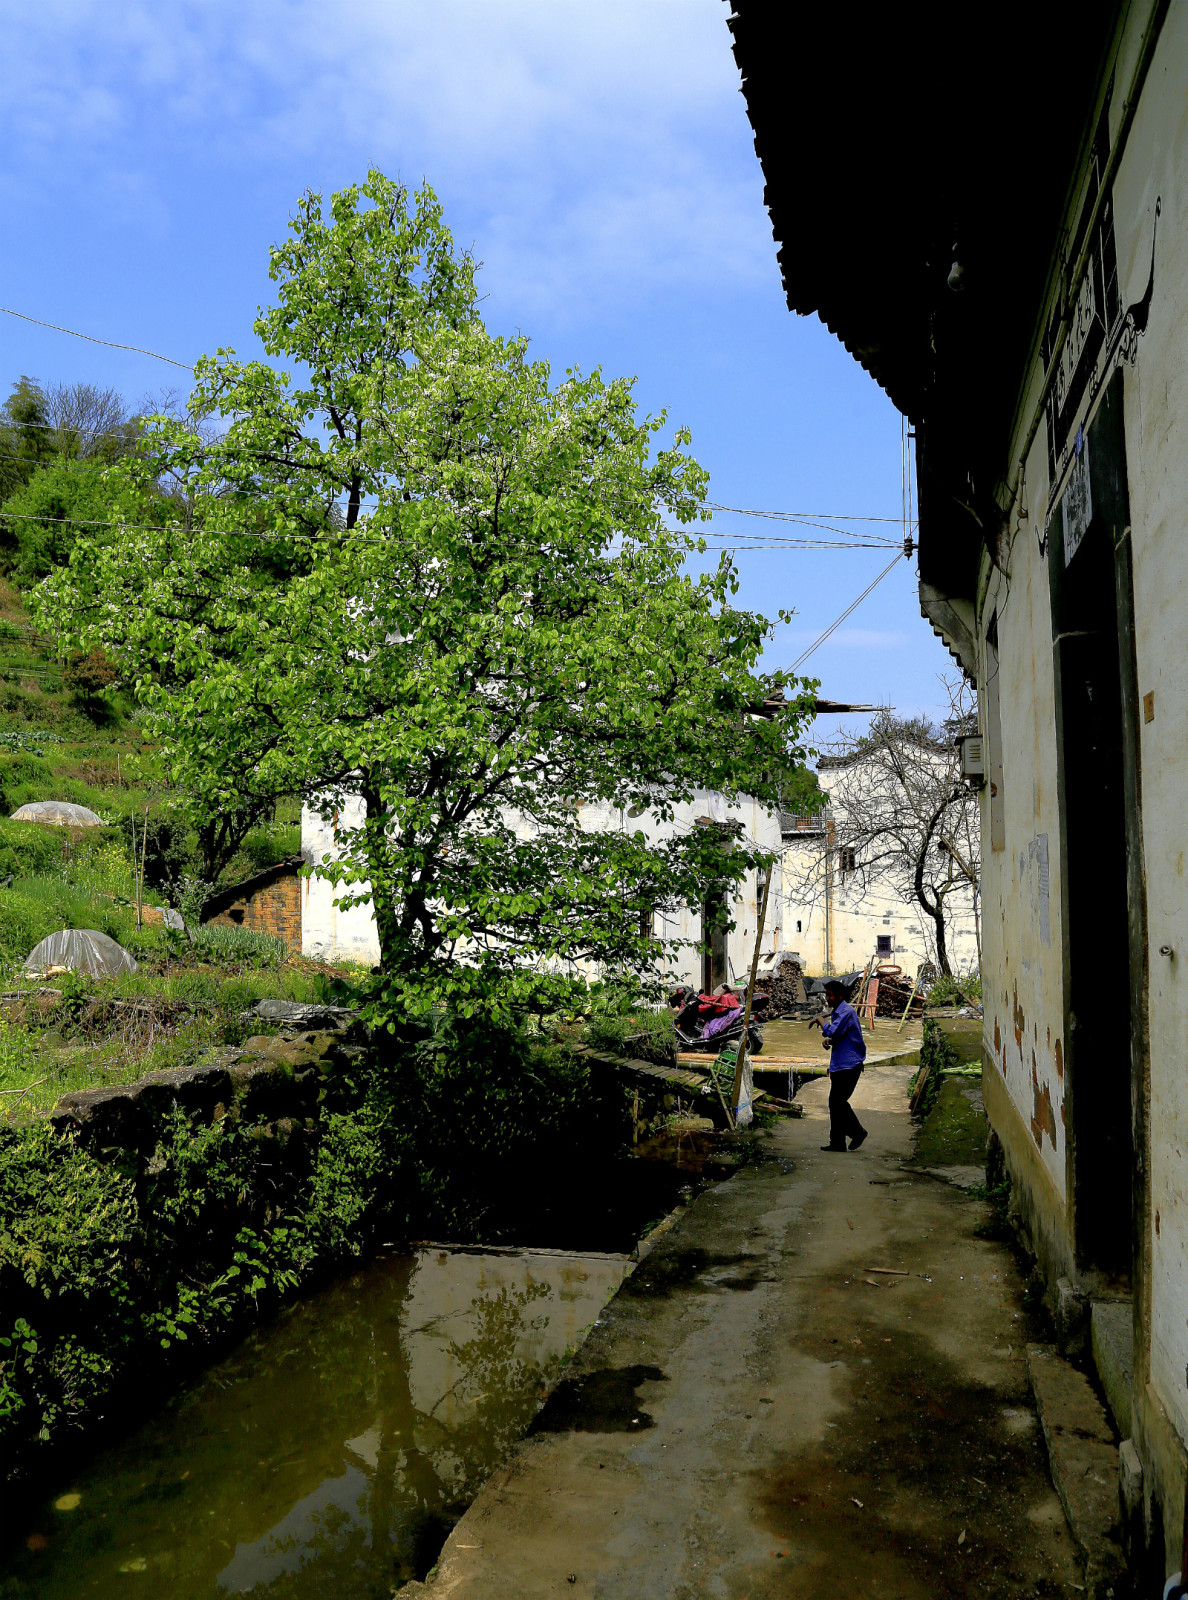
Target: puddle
x=333, y=1452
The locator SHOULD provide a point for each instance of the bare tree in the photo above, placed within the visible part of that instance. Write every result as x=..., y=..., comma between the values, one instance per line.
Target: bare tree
x=87, y=421
x=902, y=818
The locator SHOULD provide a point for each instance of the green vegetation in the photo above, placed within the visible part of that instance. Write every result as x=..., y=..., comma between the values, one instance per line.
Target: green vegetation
x=129, y=1271
x=429, y=574
x=936, y=1054
x=623, y=1018
x=955, y=1130
x=434, y=577
x=956, y=989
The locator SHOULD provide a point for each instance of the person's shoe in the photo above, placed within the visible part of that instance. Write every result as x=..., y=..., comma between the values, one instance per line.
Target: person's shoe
x=858, y=1139
x=835, y=1149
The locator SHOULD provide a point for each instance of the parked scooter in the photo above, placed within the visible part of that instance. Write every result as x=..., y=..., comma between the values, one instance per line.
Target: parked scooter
x=709, y=1021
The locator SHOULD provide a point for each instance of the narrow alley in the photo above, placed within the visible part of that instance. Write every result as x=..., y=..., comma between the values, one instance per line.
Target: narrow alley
x=816, y=1383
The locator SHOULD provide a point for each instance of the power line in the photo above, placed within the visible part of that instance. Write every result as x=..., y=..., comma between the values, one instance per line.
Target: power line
x=833, y=626
x=110, y=343
x=798, y=516
x=349, y=533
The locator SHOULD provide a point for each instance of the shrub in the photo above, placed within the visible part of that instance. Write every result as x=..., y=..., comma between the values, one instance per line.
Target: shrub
x=936, y=1053
x=645, y=1035
x=29, y=847
x=275, y=841
x=480, y=1121
x=215, y=941
x=67, y=1223
x=956, y=989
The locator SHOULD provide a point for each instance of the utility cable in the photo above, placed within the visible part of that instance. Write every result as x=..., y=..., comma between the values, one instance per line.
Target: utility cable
x=348, y=533
x=833, y=626
x=110, y=343
x=798, y=516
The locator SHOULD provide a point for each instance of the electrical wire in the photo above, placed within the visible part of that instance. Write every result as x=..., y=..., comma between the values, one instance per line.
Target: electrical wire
x=833, y=626
x=349, y=533
x=110, y=343
x=798, y=516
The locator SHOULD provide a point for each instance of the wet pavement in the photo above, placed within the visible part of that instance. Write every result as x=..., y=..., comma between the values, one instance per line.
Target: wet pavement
x=815, y=1384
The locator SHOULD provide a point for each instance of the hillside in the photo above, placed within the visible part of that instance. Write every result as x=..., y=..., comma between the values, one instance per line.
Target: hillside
x=59, y=741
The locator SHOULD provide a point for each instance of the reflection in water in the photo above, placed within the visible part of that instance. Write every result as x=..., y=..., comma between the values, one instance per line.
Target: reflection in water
x=330, y=1455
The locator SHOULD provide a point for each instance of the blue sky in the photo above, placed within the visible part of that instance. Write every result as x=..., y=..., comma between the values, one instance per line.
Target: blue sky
x=595, y=154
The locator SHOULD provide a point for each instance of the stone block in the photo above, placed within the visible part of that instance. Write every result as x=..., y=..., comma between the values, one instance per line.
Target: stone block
x=107, y=1119
x=1085, y=1465
x=1070, y=1314
x=195, y=1090
x=1111, y=1333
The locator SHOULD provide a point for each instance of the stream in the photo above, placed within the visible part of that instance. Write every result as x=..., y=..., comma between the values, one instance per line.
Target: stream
x=333, y=1451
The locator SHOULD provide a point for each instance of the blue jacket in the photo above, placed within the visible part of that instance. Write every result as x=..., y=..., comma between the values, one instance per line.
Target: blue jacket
x=844, y=1032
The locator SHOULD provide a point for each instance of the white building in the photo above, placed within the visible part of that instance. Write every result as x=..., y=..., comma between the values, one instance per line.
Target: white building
x=837, y=909
x=331, y=934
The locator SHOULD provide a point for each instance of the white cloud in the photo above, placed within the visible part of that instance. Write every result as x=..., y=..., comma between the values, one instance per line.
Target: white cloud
x=591, y=144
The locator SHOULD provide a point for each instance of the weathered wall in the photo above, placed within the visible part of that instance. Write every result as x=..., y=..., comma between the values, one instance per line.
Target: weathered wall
x=1155, y=171
x=1021, y=904
x=330, y=934
x=273, y=908
x=1025, y=893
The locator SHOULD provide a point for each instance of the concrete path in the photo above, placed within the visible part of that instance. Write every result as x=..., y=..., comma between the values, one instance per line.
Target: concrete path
x=759, y=1413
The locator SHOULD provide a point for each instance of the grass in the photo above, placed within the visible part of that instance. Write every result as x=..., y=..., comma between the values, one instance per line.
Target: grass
x=187, y=996
x=73, y=1033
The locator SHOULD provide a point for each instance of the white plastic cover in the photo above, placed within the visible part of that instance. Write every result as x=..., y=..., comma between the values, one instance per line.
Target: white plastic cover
x=62, y=813
x=80, y=950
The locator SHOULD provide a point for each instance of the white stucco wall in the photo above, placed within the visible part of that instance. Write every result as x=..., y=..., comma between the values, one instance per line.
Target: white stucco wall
x=1023, y=939
x=1155, y=167
x=329, y=934
x=862, y=907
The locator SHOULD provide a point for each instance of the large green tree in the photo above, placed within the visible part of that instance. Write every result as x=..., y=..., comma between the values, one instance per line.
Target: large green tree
x=421, y=571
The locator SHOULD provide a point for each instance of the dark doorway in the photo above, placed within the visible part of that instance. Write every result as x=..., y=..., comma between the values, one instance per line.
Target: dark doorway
x=713, y=932
x=1092, y=630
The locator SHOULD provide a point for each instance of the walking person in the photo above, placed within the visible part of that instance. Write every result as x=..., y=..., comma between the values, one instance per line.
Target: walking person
x=842, y=1034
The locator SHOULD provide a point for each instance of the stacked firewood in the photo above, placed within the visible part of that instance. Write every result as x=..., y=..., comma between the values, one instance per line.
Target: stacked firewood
x=784, y=988
x=894, y=992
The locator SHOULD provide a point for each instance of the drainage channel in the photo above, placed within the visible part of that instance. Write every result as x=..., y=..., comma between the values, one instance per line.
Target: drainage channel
x=334, y=1450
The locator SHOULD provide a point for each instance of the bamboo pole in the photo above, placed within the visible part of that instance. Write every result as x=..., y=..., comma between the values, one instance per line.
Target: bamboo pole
x=742, y=1048
x=143, y=854
x=908, y=1007
x=135, y=879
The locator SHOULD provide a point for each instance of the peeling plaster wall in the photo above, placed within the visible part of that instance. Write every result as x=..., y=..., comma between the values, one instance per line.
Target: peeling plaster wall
x=1023, y=984
x=1024, y=941
x=1155, y=168
x=331, y=934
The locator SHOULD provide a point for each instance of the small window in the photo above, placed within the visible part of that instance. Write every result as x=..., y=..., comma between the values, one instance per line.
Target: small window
x=846, y=859
x=884, y=944
x=799, y=927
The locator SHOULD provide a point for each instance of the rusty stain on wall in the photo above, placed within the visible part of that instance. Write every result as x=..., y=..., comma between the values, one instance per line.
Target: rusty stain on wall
x=1020, y=1021
x=1043, y=1116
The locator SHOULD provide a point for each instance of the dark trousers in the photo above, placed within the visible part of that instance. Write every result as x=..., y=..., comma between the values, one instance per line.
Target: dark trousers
x=843, y=1123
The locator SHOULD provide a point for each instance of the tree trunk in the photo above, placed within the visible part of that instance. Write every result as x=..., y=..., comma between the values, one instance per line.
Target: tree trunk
x=942, y=950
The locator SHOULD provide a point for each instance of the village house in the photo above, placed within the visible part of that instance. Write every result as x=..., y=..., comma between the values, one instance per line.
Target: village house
x=331, y=934
x=996, y=227
x=843, y=902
